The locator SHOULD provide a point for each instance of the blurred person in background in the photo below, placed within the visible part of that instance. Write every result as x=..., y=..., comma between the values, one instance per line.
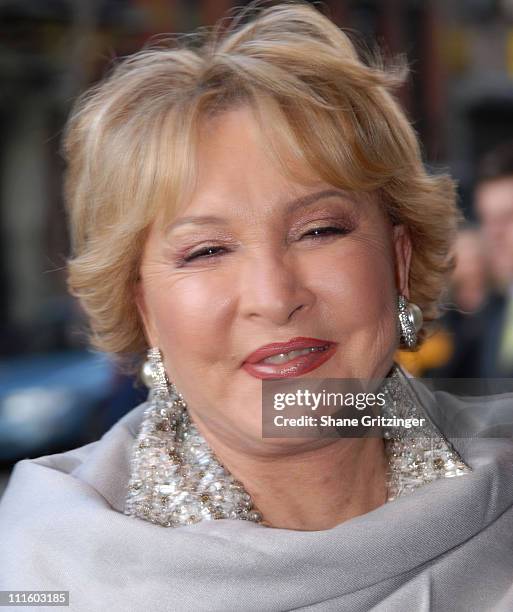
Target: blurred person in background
x=470, y=280
x=494, y=207
x=454, y=349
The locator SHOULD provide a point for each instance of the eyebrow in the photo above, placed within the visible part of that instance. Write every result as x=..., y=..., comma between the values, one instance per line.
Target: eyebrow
x=291, y=207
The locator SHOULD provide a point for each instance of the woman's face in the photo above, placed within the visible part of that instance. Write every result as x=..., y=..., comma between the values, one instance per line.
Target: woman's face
x=255, y=259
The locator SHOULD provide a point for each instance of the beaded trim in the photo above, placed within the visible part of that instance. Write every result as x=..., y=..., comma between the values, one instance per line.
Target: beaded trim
x=413, y=460
x=176, y=479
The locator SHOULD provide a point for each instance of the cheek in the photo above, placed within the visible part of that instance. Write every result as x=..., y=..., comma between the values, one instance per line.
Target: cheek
x=359, y=284
x=185, y=309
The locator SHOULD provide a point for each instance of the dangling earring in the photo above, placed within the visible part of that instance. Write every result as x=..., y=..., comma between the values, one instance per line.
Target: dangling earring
x=153, y=373
x=154, y=376
x=410, y=321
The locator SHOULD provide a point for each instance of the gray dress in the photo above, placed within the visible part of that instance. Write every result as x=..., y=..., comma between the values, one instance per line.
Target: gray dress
x=447, y=546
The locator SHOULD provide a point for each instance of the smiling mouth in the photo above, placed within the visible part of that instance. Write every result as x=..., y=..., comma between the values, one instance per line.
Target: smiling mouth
x=292, y=363
x=281, y=358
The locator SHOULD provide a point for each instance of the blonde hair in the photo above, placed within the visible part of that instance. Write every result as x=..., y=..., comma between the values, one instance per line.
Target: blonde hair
x=130, y=145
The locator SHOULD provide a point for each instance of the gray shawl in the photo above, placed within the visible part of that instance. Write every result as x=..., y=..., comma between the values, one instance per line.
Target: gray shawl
x=446, y=547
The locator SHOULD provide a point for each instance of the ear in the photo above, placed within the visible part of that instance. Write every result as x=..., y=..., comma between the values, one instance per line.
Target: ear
x=402, y=250
x=145, y=314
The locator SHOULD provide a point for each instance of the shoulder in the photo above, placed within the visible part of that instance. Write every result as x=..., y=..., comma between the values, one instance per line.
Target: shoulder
x=475, y=415
x=493, y=308
x=101, y=467
x=62, y=516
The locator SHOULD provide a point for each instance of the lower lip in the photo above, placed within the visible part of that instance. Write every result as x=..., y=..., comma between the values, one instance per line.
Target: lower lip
x=295, y=367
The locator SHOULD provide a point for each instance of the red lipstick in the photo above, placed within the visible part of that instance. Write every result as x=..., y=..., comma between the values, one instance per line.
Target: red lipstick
x=322, y=350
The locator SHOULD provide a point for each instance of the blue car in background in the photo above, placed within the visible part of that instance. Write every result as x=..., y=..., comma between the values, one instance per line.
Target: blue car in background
x=55, y=401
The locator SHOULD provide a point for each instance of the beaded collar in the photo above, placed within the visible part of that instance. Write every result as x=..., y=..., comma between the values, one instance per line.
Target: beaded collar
x=176, y=479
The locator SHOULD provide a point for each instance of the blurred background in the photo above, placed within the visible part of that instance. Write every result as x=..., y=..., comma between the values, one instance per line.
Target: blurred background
x=55, y=393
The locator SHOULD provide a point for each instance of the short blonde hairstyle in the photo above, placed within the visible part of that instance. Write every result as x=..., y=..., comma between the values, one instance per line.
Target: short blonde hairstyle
x=130, y=146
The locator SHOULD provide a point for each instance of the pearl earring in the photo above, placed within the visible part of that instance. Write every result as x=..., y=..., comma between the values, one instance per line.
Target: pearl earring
x=153, y=373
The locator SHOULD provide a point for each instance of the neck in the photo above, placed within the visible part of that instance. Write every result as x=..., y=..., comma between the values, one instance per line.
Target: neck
x=314, y=489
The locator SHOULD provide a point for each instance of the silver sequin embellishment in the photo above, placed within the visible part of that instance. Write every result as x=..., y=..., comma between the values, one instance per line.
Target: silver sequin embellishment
x=176, y=479
x=412, y=460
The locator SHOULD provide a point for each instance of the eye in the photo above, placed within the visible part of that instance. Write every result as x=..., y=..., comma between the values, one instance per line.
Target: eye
x=204, y=253
x=330, y=230
x=210, y=252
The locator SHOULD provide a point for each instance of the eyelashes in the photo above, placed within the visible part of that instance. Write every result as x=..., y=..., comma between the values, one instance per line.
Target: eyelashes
x=315, y=234
x=327, y=230
x=204, y=253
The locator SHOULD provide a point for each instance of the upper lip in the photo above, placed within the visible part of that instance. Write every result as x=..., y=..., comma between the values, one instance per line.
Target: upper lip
x=275, y=348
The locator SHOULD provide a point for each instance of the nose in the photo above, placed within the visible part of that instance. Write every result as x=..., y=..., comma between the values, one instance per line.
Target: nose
x=273, y=289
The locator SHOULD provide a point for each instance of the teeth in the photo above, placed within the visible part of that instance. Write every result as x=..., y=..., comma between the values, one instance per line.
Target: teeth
x=285, y=357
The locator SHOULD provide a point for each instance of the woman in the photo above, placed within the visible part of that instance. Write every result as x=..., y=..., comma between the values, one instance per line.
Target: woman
x=255, y=207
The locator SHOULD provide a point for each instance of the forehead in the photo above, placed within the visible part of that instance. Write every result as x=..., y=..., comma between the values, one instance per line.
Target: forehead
x=234, y=155
x=244, y=166
x=236, y=172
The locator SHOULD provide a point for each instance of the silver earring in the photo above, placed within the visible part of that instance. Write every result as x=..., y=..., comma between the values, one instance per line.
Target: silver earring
x=154, y=376
x=153, y=372
x=410, y=321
